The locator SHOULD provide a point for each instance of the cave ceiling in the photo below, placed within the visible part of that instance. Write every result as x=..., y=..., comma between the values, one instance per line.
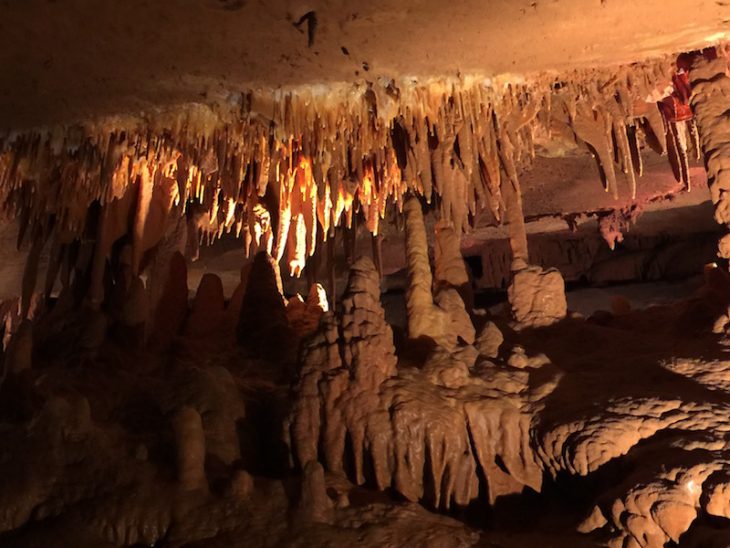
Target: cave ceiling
x=281, y=120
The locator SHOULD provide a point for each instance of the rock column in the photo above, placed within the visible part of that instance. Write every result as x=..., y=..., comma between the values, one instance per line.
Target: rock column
x=710, y=102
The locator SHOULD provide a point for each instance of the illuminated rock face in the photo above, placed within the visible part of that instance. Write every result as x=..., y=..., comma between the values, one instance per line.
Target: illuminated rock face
x=281, y=170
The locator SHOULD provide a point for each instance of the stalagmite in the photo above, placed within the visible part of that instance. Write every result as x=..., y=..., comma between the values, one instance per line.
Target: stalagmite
x=489, y=341
x=423, y=317
x=263, y=326
x=362, y=355
x=190, y=449
x=449, y=267
x=314, y=504
x=265, y=410
x=368, y=340
x=207, y=313
x=172, y=308
x=135, y=310
x=241, y=486
x=304, y=316
x=233, y=308
x=537, y=297
x=445, y=320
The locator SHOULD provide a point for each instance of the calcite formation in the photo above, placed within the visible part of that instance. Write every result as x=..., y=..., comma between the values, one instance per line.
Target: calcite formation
x=349, y=385
x=710, y=100
x=170, y=456
x=426, y=433
x=537, y=297
x=280, y=170
x=438, y=317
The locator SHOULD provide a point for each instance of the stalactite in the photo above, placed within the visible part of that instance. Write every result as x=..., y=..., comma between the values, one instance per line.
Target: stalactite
x=595, y=130
x=677, y=149
x=30, y=273
x=144, y=199
x=512, y=195
x=19, y=352
x=319, y=161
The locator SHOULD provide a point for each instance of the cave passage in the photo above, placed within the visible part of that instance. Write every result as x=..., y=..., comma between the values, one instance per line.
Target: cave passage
x=403, y=274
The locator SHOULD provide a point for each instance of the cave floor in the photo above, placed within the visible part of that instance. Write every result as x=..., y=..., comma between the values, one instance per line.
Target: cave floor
x=95, y=465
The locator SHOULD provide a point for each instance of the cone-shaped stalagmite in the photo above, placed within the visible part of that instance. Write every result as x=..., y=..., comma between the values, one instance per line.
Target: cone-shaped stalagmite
x=353, y=351
x=263, y=326
x=190, y=447
x=172, y=307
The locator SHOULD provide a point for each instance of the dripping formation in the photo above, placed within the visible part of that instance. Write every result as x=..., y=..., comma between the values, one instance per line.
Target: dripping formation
x=281, y=171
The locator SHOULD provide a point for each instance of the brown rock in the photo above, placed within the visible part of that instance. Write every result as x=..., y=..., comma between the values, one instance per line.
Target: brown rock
x=537, y=297
x=173, y=305
x=190, y=448
x=314, y=504
x=207, y=314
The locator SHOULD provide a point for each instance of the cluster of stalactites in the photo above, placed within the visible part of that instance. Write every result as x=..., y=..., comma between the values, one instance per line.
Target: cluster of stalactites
x=617, y=117
x=286, y=169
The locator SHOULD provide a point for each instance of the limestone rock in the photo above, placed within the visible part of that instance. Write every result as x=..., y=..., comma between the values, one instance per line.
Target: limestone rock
x=718, y=495
x=304, y=315
x=207, y=314
x=314, y=504
x=537, y=297
x=489, y=341
x=594, y=521
x=190, y=447
x=263, y=326
x=172, y=307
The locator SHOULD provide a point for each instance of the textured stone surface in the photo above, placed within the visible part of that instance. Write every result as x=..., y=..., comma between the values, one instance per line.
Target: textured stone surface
x=537, y=297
